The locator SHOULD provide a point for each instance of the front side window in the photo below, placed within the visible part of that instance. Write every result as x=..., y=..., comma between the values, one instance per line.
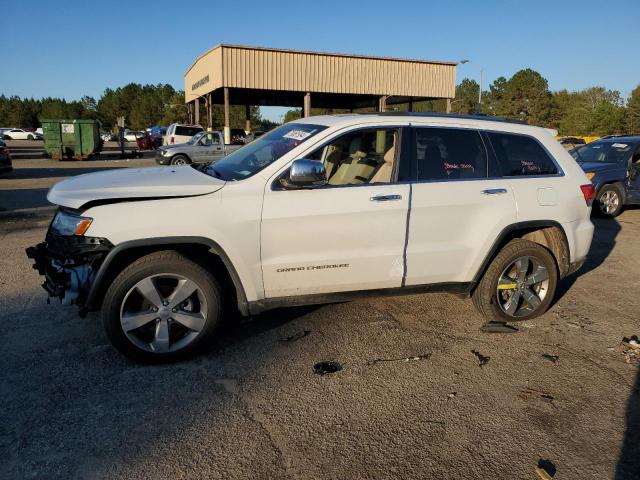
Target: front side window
x=364, y=156
x=520, y=155
x=449, y=154
x=253, y=157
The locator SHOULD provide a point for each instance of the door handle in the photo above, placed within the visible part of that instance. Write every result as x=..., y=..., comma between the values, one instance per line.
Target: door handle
x=494, y=191
x=385, y=198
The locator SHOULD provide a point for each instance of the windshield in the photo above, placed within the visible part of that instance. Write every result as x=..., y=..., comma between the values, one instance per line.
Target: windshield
x=260, y=153
x=606, y=152
x=193, y=140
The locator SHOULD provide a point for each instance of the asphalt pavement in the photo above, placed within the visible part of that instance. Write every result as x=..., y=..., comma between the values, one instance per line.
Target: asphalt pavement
x=422, y=393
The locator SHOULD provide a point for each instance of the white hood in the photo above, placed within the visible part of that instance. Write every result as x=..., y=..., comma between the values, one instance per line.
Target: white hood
x=134, y=183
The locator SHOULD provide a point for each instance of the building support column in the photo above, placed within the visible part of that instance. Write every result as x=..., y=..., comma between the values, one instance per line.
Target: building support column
x=196, y=106
x=382, y=103
x=247, y=117
x=190, y=111
x=410, y=107
x=306, y=109
x=448, y=105
x=227, y=126
x=209, y=98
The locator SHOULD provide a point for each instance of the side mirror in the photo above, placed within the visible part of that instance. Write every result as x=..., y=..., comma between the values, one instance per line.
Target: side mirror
x=306, y=173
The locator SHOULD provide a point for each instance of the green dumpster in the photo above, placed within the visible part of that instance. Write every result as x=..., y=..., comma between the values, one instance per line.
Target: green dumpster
x=71, y=139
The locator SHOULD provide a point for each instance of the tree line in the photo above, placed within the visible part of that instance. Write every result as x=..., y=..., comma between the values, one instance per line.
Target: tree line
x=142, y=106
x=525, y=96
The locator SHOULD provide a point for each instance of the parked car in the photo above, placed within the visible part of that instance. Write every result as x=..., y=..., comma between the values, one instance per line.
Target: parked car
x=571, y=142
x=180, y=133
x=133, y=135
x=613, y=166
x=20, y=134
x=108, y=137
x=202, y=147
x=237, y=136
x=5, y=159
x=253, y=135
x=321, y=209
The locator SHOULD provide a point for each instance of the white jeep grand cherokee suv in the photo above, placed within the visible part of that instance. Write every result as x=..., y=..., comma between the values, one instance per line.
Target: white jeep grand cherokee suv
x=321, y=209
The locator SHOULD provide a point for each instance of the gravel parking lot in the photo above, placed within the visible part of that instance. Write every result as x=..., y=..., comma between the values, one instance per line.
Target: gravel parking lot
x=422, y=392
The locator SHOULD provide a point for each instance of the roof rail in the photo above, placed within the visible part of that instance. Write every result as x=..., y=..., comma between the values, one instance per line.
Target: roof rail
x=487, y=118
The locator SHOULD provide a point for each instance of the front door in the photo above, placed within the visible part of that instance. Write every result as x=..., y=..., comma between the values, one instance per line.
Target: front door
x=208, y=148
x=457, y=210
x=346, y=236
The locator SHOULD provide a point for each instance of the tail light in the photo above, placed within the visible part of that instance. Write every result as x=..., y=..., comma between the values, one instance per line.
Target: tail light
x=589, y=193
x=173, y=139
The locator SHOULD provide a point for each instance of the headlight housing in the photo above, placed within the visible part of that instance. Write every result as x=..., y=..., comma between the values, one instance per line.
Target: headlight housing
x=68, y=224
x=590, y=175
x=164, y=153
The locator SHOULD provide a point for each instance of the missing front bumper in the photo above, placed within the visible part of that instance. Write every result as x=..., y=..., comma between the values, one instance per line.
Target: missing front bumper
x=68, y=265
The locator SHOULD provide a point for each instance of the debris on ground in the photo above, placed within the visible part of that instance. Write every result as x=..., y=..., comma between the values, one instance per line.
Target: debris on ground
x=498, y=327
x=482, y=359
x=551, y=358
x=546, y=470
x=452, y=395
x=630, y=348
x=324, y=368
x=424, y=356
x=527, y=393
x=296, y=336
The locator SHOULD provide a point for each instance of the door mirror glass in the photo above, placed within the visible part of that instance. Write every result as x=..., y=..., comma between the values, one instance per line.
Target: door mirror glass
x=306, y=173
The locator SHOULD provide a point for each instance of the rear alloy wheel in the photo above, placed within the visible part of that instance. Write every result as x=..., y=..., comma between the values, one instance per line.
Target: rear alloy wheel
x=519, y=284
x=609, y=201
x=163, y=307
x=31, y=137
x=180, y=160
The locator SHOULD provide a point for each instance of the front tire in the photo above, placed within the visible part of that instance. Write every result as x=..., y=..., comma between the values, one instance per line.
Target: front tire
x=519, y=284
x=162, y=308
x=180, y=160
x=609, y=201
x=31, y=137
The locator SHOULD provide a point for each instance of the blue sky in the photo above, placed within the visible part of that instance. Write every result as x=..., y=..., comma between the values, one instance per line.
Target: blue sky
x=67, y=48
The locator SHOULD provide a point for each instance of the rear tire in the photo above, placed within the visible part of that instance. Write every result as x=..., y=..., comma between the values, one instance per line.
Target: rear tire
x=162, y=308
x=31, y=137
x=508, y=292
x=608, y=203
x=180, y=160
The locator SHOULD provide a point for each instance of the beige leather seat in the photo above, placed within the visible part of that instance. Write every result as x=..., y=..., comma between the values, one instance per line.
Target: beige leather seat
x=383, y=175
x=332, y=158
x=342, y=175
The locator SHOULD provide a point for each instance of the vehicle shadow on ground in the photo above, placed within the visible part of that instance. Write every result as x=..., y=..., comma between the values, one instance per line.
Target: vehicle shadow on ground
x=628, y=466
x=23, y=198
x=34, y=173
x=604, y=241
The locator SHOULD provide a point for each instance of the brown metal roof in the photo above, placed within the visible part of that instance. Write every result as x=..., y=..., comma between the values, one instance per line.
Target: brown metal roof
x=257, y=68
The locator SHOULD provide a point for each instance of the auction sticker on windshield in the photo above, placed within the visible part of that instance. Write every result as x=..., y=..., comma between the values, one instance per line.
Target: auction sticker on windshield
x=297, y=135
x=619, y=145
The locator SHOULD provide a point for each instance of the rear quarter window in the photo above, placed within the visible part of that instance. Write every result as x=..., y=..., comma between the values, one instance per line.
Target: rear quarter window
x=187, y=131
x=521, y=155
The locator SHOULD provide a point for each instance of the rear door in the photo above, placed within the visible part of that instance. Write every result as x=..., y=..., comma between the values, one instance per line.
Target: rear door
x=633, y=180
x=346, y=236
x=459, y=205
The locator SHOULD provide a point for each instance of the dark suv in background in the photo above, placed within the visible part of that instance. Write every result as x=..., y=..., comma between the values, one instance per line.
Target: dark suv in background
x=613, y=166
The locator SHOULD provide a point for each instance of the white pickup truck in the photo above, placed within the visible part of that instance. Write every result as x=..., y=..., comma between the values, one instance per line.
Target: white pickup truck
x=202, y=147
x=321, y=209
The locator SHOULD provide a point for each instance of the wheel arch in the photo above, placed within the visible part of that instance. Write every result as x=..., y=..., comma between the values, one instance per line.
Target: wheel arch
x=203, y=250
x=180, y=154
x=548, y=233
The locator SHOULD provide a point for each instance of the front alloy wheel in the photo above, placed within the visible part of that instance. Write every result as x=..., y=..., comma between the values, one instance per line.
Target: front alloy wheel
x=163, y=313
x=162, y=307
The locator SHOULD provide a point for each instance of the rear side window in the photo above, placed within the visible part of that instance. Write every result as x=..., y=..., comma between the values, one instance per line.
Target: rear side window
x=520, y=155
x=187, y=131
x=449, y=154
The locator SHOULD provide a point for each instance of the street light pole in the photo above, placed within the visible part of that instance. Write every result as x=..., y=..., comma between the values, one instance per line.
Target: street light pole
x=480, y=91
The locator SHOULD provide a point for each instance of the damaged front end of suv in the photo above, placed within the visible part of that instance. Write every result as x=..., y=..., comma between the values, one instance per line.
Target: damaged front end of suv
x=68, y=259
